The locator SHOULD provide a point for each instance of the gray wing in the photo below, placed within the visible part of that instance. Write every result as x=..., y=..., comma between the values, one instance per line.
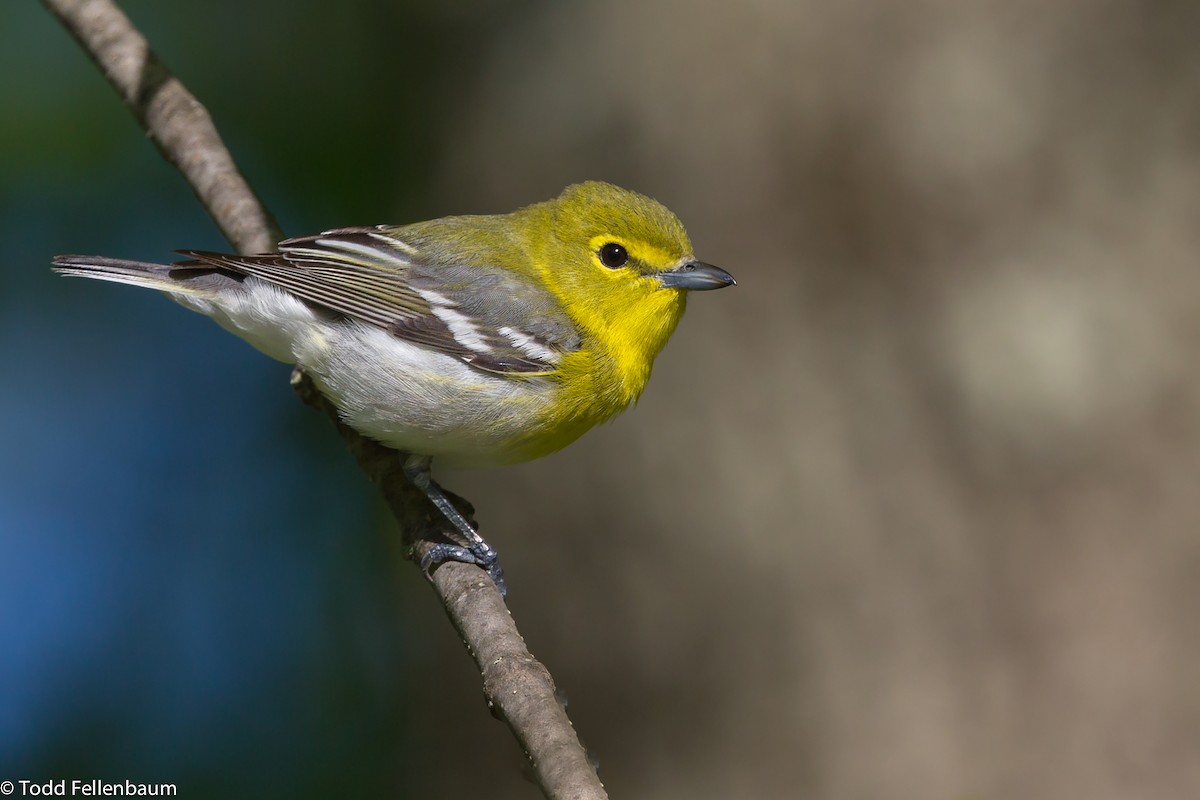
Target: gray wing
x=490, y=318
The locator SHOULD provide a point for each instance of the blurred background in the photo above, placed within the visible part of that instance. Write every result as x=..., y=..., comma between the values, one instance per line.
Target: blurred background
x=912, y=512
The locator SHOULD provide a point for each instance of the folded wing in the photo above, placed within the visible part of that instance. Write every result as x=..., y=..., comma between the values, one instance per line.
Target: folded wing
x=491, y=318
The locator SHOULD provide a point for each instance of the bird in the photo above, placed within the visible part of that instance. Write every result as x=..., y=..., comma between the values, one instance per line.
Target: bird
x=471, y=340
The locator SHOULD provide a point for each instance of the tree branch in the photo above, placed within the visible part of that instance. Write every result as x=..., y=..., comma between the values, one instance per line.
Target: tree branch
x=519, y=689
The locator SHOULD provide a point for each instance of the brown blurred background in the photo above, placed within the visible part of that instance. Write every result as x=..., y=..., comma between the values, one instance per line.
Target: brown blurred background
x=912, y=512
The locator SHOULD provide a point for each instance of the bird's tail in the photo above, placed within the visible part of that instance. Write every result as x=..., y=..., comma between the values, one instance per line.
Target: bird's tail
x=138, y=274
x=118, y=270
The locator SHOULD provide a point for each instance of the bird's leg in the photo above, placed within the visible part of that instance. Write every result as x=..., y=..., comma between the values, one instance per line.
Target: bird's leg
x=471, y=547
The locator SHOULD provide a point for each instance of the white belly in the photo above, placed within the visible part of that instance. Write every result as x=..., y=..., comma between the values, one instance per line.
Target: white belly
x=403, y=395
x=420, y=400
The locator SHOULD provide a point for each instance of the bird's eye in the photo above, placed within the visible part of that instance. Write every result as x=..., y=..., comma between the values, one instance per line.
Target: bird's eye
x=613, y=255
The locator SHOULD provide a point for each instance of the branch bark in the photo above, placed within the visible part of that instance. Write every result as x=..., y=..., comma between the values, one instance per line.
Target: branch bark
x=518, y=688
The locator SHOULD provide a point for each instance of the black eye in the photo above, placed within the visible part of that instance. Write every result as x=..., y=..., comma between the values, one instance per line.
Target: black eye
x=613, y=255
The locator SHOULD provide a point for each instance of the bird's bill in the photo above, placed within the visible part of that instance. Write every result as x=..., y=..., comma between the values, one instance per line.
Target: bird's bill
x=695, y=276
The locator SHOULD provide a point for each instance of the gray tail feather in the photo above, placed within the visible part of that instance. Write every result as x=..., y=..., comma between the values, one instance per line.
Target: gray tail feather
x=98, y=266
x=138, y=273
x=177, y=279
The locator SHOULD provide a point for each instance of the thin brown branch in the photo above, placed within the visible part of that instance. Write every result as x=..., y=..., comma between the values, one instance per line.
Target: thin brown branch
x=519, y=689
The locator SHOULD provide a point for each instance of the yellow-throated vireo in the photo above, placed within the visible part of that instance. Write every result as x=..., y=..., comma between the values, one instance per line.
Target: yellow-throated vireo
x=475, y=340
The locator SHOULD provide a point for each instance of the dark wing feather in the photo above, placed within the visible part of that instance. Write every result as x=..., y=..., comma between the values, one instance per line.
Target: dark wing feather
x=490, y=318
